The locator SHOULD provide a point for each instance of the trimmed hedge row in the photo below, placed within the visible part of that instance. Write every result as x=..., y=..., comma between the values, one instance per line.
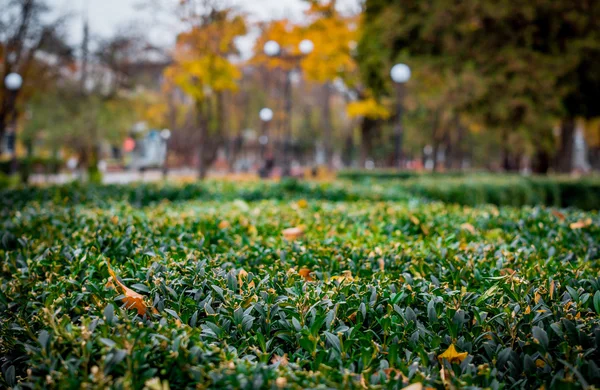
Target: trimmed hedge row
x=143, y=194
x=510, y=190
x=372, y=295
x=469, y=190
x=393, y=174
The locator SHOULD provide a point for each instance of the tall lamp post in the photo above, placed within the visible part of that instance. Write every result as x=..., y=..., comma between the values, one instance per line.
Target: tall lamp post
x=400, y=74
x=13, y=82
x=165, y=134
x=265, y=114
x=273, y=49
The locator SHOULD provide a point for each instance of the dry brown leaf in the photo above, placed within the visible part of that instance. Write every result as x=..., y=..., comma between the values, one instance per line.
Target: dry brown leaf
x=394, y=373
x=381, y=264
x=282, y=360
x=528, y=309
x=552, y=286
x=582, y=223
x=452, y=355
x=293, y=233
x=415, y=220
x=305, y=273
x=468, y=227
x=242, y=275
x=414, y=386
x=132, y=299
x=558, y=215
x=281, y=382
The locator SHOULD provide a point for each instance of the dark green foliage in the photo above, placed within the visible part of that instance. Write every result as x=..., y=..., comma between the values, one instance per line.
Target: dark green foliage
x=518, y=290
x=509, y=190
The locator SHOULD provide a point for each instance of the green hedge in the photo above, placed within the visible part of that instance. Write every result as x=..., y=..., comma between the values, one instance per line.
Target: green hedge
x=392, y=174
x=373, y=295
x=509, y=190
x=143, y=194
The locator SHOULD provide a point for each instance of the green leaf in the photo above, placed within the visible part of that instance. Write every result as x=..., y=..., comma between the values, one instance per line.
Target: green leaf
x=334, y=341
x=540, y=336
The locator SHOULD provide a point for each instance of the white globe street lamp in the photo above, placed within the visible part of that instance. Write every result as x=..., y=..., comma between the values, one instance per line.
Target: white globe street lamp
x=400, y=74
x=271, y=48
x=306, y=46
x=265, y=114
x=13, y=81
x=165, y=134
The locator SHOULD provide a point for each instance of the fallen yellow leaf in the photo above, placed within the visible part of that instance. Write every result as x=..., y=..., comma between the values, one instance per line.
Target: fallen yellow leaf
x=558, y=215
x=414, y=386
x=305, y=273
x=528, y=309
x=452, y=355
x=540, y=363
x=131, y=299
x=302, y=203
x=381, y=264
x=293, y=233
x=582, y=223
x=223, y=224
x=552, y=286
x=345, y=276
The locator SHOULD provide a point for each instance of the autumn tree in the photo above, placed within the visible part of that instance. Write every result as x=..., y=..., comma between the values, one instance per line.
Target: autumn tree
x=31, y=45
x=334, y=36
x=203, y=69
x=525, y=57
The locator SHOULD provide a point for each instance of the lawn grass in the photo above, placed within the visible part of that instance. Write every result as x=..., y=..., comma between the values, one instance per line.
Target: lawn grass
x=379, y=291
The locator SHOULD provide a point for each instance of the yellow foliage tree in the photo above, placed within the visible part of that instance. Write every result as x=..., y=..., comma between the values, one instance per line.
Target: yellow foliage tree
x=367, y=108
x=203, y=70
x=334, y=37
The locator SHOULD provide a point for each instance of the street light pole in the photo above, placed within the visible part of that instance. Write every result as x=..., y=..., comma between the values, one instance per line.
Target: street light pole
x=265, y=114
x=400, y=74
x=287, y=143
x=398, y=129
x=13, y=82
x=165, y=134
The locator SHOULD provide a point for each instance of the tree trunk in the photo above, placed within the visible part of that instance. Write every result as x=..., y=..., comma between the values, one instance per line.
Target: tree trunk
x=436, y=140
x=202, y=139
x=540, y=163
x=436, y=149
x=505, y=152
x=565, y=154
x=458, y=150
x=367, y=131
x=326, y=120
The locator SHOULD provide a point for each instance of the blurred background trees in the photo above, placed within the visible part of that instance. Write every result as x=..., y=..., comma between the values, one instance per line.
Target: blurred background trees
x=498, y=86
